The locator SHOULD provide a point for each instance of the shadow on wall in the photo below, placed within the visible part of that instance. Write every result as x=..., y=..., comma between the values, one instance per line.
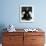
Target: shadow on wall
x=2, y=26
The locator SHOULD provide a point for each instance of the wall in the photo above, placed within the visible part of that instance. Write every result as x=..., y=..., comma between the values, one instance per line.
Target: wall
x=9, y=13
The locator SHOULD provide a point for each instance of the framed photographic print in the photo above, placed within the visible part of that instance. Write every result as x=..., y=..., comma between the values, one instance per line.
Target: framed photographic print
x=26, y=13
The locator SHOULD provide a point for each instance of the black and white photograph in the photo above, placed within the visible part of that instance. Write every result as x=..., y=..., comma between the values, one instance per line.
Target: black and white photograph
x=26, y=13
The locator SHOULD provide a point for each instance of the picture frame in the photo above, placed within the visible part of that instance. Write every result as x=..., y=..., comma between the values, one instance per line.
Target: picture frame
x=26, y=13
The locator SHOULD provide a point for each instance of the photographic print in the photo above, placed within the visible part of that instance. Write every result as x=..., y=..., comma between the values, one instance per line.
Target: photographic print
x=26, y=13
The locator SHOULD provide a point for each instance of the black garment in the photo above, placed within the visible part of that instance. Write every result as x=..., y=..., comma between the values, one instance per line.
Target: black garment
x=26, y=16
